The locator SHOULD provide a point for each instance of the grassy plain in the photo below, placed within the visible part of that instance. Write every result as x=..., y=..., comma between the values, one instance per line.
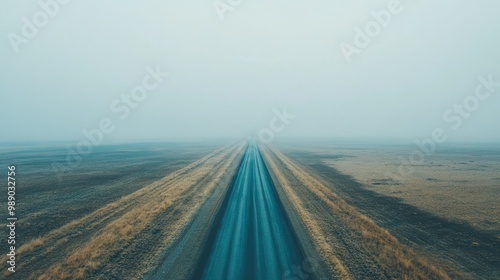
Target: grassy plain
x=446, y=211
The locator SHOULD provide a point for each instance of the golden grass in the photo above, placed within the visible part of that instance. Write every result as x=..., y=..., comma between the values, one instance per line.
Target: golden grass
x=101, y=215
x=122, y=230
x=388, y=251
x=111, y=227
x=317, y=234
x=450, y=185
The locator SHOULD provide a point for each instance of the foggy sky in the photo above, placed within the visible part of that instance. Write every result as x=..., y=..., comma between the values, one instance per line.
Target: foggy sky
x=226, y=77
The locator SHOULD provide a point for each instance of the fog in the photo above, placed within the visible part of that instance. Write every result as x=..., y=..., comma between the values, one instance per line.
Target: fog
x=228, y=78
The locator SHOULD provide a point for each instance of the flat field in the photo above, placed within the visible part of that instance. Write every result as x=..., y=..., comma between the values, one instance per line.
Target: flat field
x=295, y=210
x=115, y=213
x=447, y=210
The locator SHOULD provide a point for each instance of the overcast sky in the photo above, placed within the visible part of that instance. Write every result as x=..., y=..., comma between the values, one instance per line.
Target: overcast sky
x=226, y=77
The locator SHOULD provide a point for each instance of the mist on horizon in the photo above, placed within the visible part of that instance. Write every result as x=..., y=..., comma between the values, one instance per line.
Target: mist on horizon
x=177, y=70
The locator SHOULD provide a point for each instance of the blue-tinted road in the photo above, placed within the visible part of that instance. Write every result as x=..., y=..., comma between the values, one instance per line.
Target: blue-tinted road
x=254, y=239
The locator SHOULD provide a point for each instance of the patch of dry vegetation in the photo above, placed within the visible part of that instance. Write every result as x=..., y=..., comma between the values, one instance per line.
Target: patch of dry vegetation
x=461, y=186
x=389, y=253
x=102, y=234
x=124, y=229
x=317, y=234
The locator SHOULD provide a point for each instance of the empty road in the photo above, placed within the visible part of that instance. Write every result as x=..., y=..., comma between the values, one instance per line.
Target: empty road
x=254, y=239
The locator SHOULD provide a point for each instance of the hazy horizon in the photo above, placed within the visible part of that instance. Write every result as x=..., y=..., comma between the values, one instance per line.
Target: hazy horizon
x=226, y=77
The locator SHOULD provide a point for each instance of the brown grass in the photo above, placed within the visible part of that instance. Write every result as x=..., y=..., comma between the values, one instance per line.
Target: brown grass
x=451, y=185
x=387, y=250
x=84, y=245
x=317, y=234
x=95, y=253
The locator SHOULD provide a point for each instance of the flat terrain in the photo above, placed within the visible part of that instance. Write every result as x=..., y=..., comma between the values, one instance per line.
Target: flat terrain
x=352, y=245
x=458, y=183
x=46, y=201
x=122, y=238
x=245, y=211
x=419, y=220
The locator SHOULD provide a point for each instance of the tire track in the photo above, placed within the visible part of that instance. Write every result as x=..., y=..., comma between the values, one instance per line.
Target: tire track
x=254, y=239
x=366, y=249
x=82, y=246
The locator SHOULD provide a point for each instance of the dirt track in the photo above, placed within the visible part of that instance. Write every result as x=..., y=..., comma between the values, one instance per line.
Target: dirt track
x=166, y=229
x=122, y=239
x=353, y=246
x=254, y=239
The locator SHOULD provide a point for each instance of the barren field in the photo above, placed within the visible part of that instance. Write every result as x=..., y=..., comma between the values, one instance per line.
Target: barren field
x=451, y=185
x=122, y=236
x=248, y=211
x=352, y=245
x=448, y=211
x=46, y=202
x=457, y=183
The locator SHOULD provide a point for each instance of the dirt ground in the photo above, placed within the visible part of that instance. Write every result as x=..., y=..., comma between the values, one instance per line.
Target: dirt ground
x=46, y=202
x=351, y=244
x=457, y=183
x=421, y=215
x=122, y=235
x=128, y=209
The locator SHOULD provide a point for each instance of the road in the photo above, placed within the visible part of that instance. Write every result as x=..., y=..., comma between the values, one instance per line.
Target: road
x=254, y=239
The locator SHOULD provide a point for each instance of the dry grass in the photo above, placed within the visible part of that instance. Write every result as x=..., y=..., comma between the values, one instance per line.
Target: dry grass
x=387, y=250
x=95, y=253
x=84, y=245
x=317, y=234
x=319, y=237
x=462, y=187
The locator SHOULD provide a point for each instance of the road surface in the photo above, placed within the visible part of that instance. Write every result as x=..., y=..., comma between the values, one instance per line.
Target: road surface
x=254, y=239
